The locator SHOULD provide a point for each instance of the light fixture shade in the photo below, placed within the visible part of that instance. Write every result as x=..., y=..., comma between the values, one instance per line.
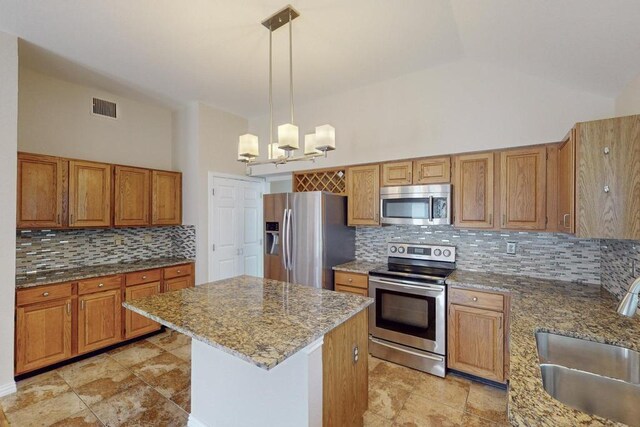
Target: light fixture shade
x=248, y=146
x=275, y=152
x=325, y=138
x=288, y=137
x=310, y=144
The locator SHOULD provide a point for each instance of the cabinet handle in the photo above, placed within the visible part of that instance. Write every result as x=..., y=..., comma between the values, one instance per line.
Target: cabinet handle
x=69, y=308
x=101, y=285
x=82, y=305
x=504, y=219
x=45, y=294
x=71, y=219
x=564, y=220
x=58, y=219
x=420, y=174
x=490, y=219
x=500, y=323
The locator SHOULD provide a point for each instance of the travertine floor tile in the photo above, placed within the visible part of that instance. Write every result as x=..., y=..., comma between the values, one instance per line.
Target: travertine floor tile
x=387, y=398
x=173, y=381
x=47, y=411
x=165, y=413
x=33, y=390
x=156, y=366
x=374, y=420
x=183, y=352
x=92, y=369
x=3, y=419
x=487, y=402
x=451, y=391
x=183, y=399
x=103, y=388
x=170, y=340
x=373, y=362
x=126, y=405
x=81, y=419
x=135, y=353
x=419, y=411
x=399, y=375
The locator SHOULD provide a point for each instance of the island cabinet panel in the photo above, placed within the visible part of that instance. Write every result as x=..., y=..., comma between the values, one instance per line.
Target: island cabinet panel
x=41, y=191
x=43, y=334
x=566, y=179
x=523, y=188
x=136, y=325
x=363, y=191
x=608, y=178
x=432, y=171
x=345, y=381
x=89, y=194
x=132, y=197
x=397, y=173
x=99, y=320
x=474, y=190
x=166, y=198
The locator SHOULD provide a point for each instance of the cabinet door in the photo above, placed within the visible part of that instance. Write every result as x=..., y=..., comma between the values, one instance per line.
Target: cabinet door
x=473, y=190
x=166, y=198
x=432, y=171
x=43, y=334
x=398, y=173
x=178, y=283
x=99, y=320
x=132, y=196
x=523, y=180
x=363, y=191
x=40, y=193
x=567, y=184
x=89, y=194
x=352, y=290
x=476, y=342
x=135, y=324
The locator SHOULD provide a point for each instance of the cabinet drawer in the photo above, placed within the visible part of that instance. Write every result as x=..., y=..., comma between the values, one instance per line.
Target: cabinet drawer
x=352, y=290
x=470, y=298
x=143, y=277
x=352, y=279
x=178, y=271
x=99, y=284
x=43, y=293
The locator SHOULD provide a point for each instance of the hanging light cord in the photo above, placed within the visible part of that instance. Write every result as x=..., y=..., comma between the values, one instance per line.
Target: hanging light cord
x=270, y=149
x=291, y=64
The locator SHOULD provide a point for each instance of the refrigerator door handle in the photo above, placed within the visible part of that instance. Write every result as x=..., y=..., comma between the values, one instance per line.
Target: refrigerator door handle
x=284, y=239
x=289, y=241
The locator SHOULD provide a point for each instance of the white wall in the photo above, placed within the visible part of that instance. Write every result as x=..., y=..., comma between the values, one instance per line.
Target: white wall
x=55, y=118
x=8, y=148
x=457, y=107
x=205, y=140
x=628, y=101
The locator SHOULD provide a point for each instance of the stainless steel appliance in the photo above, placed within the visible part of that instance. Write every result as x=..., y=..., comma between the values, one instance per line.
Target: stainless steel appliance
x=306, y=234
x=408, y=322
x=416, y=204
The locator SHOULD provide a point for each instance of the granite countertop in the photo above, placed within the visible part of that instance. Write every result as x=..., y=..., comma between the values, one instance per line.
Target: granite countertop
x=88, y=272
x=356, y=266
x=573, y=309
x=261, y=321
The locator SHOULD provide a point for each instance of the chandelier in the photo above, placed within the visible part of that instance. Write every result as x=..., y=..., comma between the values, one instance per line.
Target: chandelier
x=315, y=144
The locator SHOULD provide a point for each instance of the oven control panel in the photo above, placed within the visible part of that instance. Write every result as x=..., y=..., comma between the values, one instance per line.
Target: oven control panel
x=420, y=251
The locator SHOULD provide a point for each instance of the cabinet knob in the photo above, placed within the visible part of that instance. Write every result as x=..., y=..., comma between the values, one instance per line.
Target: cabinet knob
x=606, y=150
x=350, y=280
x=475, y=299
x=144, y=277
x=178, y=272
x=45, y=294
x=101, y=285
x=606, y=189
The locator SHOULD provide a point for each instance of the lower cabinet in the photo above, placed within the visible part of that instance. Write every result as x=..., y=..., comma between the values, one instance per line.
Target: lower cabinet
x=353, y=283
x=99, y=320
x=136, y=325
x=178, y=283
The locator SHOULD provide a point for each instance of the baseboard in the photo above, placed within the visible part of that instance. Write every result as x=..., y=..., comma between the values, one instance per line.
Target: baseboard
x=8, y=388
x=194, y=422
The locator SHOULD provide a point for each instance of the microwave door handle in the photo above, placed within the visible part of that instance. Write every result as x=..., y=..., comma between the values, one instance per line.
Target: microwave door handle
x=430, y=208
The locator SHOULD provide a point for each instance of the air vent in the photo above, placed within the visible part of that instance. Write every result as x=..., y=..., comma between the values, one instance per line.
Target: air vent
x=104, y=108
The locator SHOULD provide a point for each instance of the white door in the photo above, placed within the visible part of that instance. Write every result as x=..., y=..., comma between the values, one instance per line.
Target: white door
x=236, y=228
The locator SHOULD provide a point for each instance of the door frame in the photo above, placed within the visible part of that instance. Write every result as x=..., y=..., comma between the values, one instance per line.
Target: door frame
x=211, y=205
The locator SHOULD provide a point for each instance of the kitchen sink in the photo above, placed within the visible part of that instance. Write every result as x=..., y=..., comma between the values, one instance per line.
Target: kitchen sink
x=596, y=378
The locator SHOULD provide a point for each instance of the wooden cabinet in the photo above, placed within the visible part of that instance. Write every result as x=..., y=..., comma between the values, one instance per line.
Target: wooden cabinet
x=43, y=334
x=476, y=333
x=178, y=277
x=99, y=320
x=474, y=190
x=89, y=194
x=136, y=325
x=353, y=283
x=166, y=198
x=397, y=173
x=435, y=170
x=608, y=178
x=523, y=188
x=363, y=190
x=41, y=191
x=178, y=283
x=132, y=196
x=566, y=184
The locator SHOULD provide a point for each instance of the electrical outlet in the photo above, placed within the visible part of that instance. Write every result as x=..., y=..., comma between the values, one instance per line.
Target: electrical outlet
x=511, y=248
x=118, y=240
x=148, y=238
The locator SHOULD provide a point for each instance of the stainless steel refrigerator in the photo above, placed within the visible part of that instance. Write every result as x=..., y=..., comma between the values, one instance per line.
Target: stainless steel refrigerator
x=306, y=234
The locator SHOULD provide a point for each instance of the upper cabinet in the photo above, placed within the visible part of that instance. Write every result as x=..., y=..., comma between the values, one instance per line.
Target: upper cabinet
x=523, y=178
x=474, y=190
x=89, y=194
x=166, y=198
x=566, y=184
x=132, y=196
x=435, y=170
x=608, y=178
x=398, y=173
x=41, y=191
x=363, y=189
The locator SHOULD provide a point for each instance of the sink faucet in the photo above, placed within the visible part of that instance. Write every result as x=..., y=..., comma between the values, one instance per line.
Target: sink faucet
x=629, y=303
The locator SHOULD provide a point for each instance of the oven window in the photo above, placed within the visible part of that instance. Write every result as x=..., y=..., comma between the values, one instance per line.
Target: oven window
x=406, y=208
x=406, y=313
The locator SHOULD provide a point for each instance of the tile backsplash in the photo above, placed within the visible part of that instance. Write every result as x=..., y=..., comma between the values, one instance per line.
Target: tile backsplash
x=618, y=257
x=41, y=250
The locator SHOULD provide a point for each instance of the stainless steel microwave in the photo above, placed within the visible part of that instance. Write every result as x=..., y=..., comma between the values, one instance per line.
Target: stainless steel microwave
x=416, y=205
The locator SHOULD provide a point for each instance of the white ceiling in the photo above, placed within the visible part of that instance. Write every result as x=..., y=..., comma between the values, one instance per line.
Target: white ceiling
x=216, y=51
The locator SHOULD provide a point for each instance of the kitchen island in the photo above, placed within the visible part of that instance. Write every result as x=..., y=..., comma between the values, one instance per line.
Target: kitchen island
x=266, y=352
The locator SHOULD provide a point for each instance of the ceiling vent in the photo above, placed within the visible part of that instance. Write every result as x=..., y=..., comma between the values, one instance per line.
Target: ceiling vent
x=104, y=108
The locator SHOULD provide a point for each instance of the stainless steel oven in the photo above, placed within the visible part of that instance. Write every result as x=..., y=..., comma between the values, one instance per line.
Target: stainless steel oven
x=407, y=324
x=416, y=204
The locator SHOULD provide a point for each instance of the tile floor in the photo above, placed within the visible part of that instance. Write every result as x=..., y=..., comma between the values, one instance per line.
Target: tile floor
x=147, y=383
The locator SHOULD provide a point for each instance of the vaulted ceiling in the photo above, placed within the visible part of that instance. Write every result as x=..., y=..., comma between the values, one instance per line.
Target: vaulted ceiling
x=216, y=51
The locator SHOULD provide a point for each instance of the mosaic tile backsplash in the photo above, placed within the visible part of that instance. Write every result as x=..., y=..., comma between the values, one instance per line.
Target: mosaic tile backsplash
x=41, y=250
x=618, y=258
x=543, y=255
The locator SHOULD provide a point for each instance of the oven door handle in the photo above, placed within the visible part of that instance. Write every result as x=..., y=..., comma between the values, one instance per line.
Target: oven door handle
x=414, y=353
x=412, y=285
